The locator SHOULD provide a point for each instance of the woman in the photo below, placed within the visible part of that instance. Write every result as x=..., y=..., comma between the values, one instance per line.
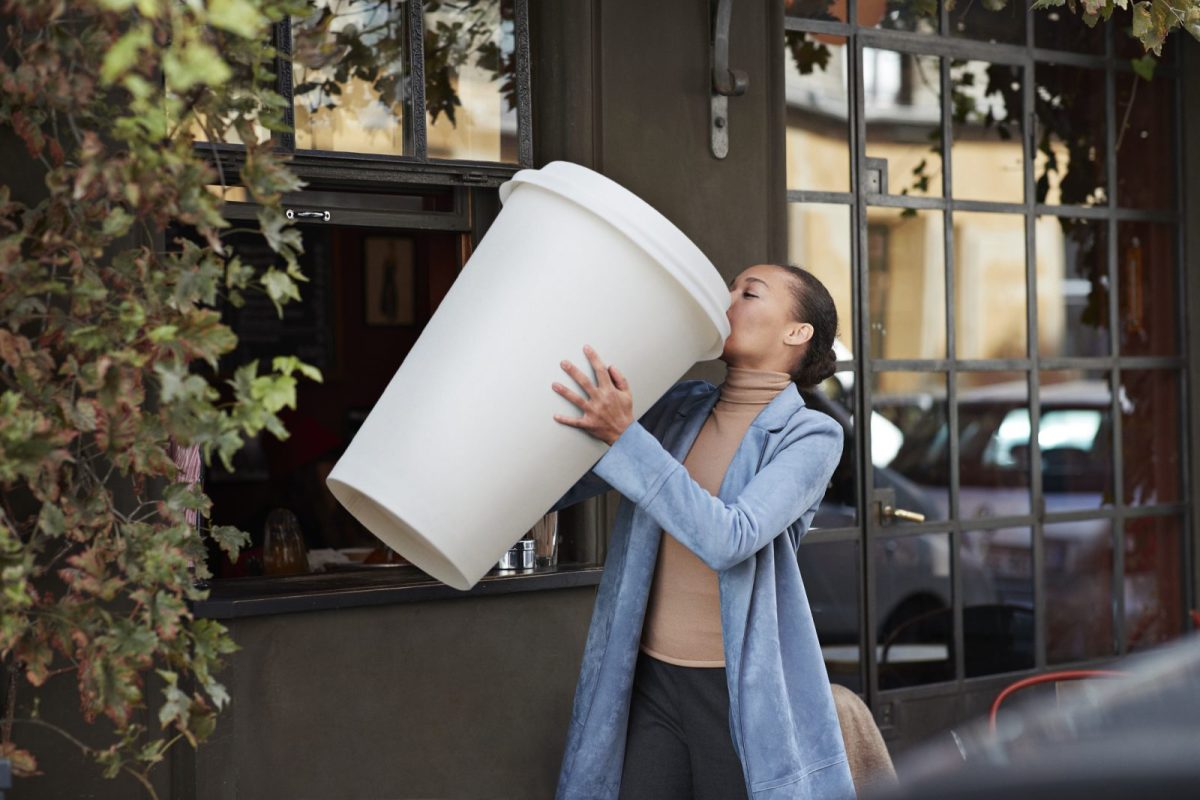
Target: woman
x=702, y=676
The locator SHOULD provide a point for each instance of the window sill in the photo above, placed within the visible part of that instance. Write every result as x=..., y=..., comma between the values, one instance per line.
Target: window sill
x=233, y=598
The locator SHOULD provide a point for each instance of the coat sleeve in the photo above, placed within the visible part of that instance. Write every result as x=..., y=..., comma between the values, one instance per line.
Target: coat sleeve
x=724, y=534
x=591, y=484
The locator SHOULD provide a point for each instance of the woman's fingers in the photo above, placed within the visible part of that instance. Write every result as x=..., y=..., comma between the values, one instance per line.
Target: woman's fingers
x=572, y=396
x=601, y=370
x=618, y=379
x=580, y=377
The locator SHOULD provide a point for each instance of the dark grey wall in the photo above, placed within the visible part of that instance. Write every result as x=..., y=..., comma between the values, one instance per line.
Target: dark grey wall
x=623, y=87
x=465, y=698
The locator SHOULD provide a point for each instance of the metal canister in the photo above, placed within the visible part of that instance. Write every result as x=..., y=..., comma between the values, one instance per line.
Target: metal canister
x=519, y=556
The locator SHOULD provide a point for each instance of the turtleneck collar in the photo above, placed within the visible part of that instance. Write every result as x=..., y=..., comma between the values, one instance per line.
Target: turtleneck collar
x=752, y=386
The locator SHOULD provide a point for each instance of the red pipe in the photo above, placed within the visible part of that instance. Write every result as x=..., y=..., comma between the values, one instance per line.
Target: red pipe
x=1066, y=674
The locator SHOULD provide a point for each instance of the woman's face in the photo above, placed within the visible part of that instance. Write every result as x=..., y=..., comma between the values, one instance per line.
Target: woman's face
x=763, y=335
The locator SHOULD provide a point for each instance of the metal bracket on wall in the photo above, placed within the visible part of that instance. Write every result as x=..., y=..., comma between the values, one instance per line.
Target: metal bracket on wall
x=726, y=82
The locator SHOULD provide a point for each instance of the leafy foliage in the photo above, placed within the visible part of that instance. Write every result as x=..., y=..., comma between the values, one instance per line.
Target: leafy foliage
x=1153, y=20
x=102, y=336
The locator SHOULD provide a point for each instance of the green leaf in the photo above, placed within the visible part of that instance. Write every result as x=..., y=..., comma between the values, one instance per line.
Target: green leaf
x=118, y=222
x=237, y=16
x=274, y=392
x=51, y=520
x=280, y=288
x=289, y=364
x=124, y=53
x=1144, y=66
x=191, y=63
x=229, y=539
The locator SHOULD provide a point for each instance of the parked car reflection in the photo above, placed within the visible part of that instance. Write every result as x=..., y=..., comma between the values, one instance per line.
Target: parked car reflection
x=910, y=456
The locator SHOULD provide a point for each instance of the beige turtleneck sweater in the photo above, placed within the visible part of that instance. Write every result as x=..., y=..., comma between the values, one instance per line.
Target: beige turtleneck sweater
x=683, y=619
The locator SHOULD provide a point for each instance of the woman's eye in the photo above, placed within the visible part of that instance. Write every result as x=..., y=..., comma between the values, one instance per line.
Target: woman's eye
x=747, y=294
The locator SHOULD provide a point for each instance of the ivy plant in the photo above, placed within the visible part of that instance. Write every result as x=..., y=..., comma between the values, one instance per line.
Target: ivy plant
x=105, y=328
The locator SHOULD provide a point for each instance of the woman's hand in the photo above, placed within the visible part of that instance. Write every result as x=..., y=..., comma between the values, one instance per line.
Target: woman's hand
x=608, y=407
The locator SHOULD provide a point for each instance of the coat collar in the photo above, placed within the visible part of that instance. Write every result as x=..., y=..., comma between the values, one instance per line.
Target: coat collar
x=772, y=418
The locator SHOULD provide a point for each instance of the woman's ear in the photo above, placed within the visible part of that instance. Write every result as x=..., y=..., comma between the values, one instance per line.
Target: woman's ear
x=798, y=333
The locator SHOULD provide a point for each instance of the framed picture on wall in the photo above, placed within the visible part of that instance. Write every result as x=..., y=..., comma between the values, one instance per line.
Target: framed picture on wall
x=389, y=281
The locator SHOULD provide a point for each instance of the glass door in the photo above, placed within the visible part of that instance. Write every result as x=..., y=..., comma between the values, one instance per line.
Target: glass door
x=989, y=195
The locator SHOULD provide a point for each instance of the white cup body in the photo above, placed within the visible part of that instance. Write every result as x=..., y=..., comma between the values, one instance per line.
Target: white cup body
x=461, y=455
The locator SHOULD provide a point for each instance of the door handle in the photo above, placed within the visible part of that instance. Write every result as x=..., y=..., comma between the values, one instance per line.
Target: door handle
x=887, y=511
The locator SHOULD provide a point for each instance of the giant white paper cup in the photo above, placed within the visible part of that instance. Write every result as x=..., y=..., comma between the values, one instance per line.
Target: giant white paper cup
x=461, y=454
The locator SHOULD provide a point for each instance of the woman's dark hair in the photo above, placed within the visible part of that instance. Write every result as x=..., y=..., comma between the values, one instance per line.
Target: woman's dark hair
x=813, y=304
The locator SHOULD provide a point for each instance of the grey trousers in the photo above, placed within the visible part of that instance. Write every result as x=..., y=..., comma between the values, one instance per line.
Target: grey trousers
x=678, y=745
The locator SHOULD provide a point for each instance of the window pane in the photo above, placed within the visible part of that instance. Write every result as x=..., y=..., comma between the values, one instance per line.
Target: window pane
x=1154, y=564
x=831, y=580
x=1059, y=29
x=993, y=444
x=1150, y=435
x=350, y=78
x=470, y=80
x=989, y=275
x=901, y=96
x=1075, y=435
x=818, y=137
x=987, y=132
x=1072, y=286
x=839, y=506
x=913, y=600
x=1078, y=583
x=1070, y=162
x=1146, y=163
x=828, y=10
x=1148, y=288
x=990, y=22
x=819, y=241
x=997, y=583
x=906, y=283
x=910, y=442
x=918, y=16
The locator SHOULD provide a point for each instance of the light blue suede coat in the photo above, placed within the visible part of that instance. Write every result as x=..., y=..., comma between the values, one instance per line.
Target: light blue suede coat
x=781, y=712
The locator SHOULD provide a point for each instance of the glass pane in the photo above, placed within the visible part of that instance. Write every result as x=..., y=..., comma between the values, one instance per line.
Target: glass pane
x=831, y=580
x=839, y=506
x=989, y=21
x=1150, y=436
x=913, y=586
x=828, y=10
x=1154, y=564
x=919, y=16
x=993, y=444
x=902, y=102
x=1146, y=162
x=1078, y=582
x=1070, y=162
x=910, y=442
x=1059, y=29
x=906, y=283
x=470, y=80
x=819, y=241
x=997, y=584
x=987, y=132
x=1072, y=286
x=1075, y=435
x=818, y=109
x=1148, y=288
x=989, y=275
x=350, y=78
